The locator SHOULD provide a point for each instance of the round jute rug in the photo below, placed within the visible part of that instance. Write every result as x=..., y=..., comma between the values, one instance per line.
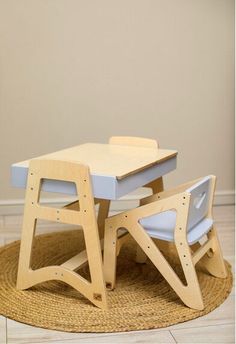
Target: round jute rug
x=141, y=300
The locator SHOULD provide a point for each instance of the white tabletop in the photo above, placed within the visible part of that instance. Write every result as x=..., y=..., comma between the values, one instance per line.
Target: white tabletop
x=115, y=170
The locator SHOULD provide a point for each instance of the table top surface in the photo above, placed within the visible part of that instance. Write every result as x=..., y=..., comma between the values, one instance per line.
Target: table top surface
x=110, y=160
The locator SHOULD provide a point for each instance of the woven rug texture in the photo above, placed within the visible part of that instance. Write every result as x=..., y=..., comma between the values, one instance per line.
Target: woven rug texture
x=142, y=298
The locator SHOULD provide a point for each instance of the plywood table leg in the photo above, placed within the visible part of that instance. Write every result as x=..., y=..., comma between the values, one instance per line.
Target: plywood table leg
x=83, y=215
x=103, y=213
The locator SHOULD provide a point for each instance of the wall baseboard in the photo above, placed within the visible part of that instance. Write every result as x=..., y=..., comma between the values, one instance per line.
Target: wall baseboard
x=16, y=206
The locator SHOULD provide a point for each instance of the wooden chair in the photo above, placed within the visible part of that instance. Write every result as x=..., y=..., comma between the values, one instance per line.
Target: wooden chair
x=183, y=216
x=155, y=185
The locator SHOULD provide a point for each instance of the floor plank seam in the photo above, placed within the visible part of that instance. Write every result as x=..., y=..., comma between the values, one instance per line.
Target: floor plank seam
x=6, y=330
x=173, y=337
x=88, y=336
x=197, y=327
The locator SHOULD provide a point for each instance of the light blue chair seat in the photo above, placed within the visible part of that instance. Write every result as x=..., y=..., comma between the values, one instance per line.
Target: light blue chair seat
x=162, y=225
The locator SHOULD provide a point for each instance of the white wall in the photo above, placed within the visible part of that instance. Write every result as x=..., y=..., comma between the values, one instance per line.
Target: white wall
x=77, y=71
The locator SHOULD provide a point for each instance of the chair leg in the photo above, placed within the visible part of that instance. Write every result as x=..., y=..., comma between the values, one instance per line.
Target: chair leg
x=213, y=260
x=192, y=295
x=110, y=257
x=156, y=186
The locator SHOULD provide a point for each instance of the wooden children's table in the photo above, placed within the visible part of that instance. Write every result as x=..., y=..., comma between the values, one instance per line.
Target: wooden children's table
x=96, y=173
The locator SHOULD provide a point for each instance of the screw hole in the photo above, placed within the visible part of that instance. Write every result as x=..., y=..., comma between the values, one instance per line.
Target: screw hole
x=184, y=255
x=32, y=202
x=97, y=297
x=108, y=285
x=186, y=264
x=85, y=211
x=181, y=243
x=210, y=253
x=148, y=246
x=180, y=228
x=31, y=188
x=85, y=196
x=85, y=180
x=183, y=203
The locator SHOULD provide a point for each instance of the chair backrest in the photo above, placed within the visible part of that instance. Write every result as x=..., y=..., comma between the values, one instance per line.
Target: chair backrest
x=133, y=141
x=200, y=201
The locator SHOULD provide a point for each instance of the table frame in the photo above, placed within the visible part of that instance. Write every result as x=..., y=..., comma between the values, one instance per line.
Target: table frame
x=48, y=174
x=95, y=290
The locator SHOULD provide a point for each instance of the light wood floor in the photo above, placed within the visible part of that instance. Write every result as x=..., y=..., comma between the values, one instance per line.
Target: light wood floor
x=216, y=327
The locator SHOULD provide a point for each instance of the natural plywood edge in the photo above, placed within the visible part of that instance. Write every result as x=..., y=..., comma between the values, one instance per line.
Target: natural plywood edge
x=82, y=213
x=119, y=161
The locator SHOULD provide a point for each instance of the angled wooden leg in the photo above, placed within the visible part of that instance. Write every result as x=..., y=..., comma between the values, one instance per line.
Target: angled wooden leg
x=210, y=255
x=213, y=260
x=184, y=292
x=192, y=295
x=27, y=238
x=156, y=186
x=93, y=249
x=110, y=257
x=83, y=215
x=28, y=230
x=103, y=212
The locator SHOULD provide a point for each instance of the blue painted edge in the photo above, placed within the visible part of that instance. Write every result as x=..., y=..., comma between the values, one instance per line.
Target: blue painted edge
x=105, y=187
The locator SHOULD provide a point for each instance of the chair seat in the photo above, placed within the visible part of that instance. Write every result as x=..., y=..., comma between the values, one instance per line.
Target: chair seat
x=161, y=226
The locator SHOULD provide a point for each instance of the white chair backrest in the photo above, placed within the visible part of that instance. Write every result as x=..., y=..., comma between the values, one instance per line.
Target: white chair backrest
x=199, y=201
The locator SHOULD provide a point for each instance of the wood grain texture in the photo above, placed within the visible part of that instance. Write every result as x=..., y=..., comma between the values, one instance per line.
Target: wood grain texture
x=190, y=293
x=155, y=185
x=85, y=216
x=133, y=141
x=110, y=160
